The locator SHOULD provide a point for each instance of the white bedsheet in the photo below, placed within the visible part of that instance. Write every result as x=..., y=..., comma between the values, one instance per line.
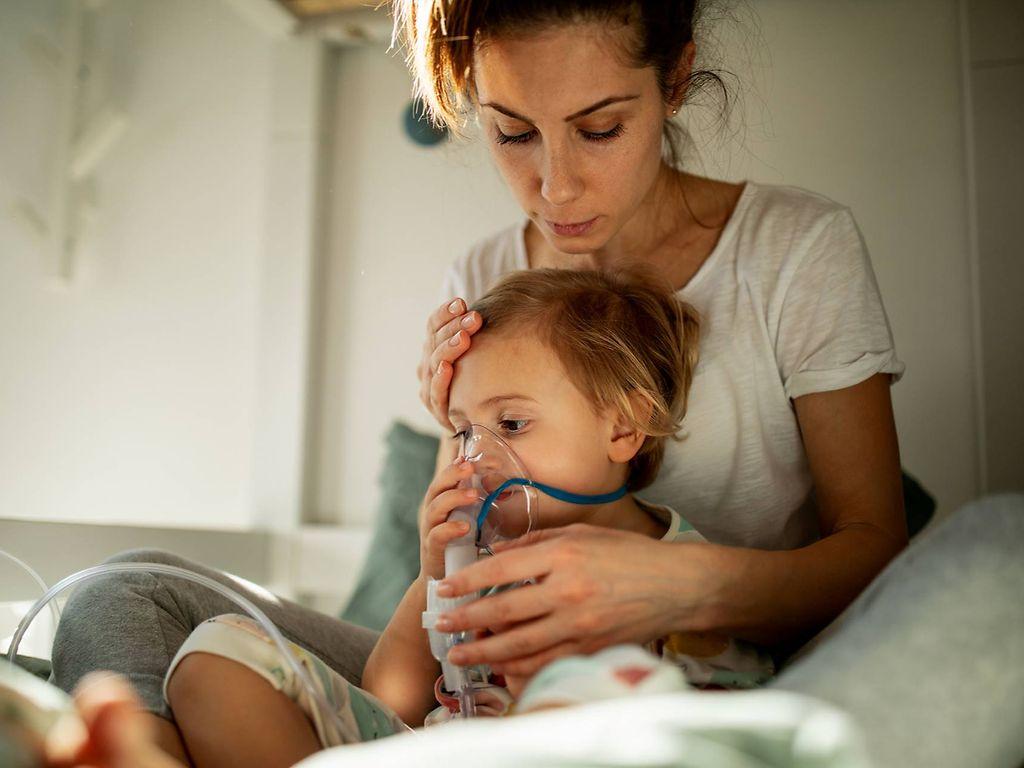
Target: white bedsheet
x=688, y=729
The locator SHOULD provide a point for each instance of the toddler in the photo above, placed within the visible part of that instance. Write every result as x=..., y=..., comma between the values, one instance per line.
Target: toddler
x=585, y=375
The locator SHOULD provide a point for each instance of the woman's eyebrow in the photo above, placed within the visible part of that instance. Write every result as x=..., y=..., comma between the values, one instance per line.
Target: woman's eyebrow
x=600, y=105
x=574, y=116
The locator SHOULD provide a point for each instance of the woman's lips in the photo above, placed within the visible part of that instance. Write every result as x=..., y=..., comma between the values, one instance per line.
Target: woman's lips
x=571, y=230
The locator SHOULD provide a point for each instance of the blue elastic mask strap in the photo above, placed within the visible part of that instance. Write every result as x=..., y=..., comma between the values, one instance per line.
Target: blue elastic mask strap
x=555, y=493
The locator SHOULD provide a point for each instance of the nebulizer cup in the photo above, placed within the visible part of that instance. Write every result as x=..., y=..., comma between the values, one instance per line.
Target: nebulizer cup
x=505, y=508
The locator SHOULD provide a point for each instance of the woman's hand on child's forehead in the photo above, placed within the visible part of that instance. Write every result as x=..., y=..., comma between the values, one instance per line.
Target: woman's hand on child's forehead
x=449, y=329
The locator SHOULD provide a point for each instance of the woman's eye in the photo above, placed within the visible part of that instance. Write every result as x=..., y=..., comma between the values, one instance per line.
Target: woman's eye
x=515, y=138
x=521, y=138
x=512, y=426
x=603, y=135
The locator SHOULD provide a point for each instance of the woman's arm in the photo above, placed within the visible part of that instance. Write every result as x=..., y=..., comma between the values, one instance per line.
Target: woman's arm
x=600, y=587
x=850, y=439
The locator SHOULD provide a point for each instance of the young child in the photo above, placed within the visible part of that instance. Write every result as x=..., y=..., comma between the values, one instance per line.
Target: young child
x=585, y=375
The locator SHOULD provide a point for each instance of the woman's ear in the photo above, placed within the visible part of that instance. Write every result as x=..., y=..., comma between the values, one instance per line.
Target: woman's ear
x=626, y=440
x=682, y=77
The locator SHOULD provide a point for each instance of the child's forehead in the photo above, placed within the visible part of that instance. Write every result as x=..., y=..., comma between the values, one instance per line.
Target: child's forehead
x=519, y=347
x=497, y=362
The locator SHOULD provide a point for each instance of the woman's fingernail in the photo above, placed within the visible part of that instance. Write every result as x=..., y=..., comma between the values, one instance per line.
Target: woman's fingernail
x=440, y=368
x=445, y=589
x=467, y=321
x=457, y=656
x=443, y=624
x=455, y=307
x=469, y=493
x=454, y=340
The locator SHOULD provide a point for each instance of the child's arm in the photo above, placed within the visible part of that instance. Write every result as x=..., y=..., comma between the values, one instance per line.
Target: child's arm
x=401, y=671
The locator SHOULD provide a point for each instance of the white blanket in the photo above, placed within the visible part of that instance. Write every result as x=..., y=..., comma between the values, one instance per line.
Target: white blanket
x=687, y=729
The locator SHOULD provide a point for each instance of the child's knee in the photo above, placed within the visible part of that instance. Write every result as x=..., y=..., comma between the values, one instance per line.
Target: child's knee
x=194, y=677
x=204, y=665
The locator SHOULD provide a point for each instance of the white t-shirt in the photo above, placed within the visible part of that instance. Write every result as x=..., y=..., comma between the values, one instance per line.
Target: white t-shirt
x=789, y=306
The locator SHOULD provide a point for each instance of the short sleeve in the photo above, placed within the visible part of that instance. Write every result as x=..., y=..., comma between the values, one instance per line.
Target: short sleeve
x=474, y=273
x=832, y=329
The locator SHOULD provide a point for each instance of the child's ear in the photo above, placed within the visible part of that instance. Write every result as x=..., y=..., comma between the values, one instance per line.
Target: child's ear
x=626, y=439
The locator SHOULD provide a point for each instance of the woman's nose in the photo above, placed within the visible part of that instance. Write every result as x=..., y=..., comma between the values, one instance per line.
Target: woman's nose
x=560, y=181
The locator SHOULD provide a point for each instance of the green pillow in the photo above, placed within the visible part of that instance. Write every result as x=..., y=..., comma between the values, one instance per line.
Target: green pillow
x=394, y=558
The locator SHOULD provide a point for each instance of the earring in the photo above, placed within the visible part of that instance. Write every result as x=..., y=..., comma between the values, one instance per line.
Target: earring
x=675, y=111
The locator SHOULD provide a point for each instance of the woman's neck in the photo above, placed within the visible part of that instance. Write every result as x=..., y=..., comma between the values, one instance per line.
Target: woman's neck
x=673, y=231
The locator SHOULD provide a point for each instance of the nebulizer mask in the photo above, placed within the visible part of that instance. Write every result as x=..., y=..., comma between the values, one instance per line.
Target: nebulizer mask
x=507, y=507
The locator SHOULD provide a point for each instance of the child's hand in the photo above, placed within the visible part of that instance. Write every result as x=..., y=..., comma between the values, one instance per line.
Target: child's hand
x=443, y=496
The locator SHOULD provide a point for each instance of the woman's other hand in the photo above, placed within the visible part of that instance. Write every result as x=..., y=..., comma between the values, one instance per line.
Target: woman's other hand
x=449, y=329
x=595, y=587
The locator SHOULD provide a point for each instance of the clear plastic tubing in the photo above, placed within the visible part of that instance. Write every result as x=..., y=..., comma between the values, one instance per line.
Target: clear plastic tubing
x=37, y=579
x=169, y=570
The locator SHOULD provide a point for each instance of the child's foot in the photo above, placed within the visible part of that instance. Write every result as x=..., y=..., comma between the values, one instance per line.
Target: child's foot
x=113, y=731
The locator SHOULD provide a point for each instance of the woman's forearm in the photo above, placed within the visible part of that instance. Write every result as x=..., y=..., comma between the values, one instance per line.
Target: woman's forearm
x=783, y=598
x=401, y=671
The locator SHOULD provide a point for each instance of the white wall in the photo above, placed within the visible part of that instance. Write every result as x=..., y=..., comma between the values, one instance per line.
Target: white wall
x=130, y=395
x=863, y=102
x=858, y=100
x=167, y=383
x=996, y=32
x=399, y=214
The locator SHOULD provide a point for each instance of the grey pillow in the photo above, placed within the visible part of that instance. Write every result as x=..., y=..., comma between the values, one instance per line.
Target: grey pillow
x=394, y=558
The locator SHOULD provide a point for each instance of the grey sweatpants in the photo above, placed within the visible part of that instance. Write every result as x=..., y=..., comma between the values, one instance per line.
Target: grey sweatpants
x=929, y=660
x=134, y=623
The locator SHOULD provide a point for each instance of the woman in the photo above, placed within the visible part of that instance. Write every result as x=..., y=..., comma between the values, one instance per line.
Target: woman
x=792, y=392
x=790, y=462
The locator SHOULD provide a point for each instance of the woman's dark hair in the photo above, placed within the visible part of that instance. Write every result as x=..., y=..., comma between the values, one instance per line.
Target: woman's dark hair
x=440, y=37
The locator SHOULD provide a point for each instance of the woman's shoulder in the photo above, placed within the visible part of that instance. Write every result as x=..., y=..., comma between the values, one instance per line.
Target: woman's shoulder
x=473, y=273
x=783, y=209
x=782, y=227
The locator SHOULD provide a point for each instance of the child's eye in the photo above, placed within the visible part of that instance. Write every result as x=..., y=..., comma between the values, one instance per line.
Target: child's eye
x=512, y=426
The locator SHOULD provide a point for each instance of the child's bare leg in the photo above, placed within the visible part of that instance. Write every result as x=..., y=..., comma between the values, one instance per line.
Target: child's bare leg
x=228, y=716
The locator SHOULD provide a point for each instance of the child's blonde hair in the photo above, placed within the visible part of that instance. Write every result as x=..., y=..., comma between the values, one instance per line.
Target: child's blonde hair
x=624, y=339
